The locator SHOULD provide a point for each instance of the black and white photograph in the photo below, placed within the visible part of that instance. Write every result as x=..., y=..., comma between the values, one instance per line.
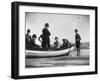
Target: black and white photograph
x=51, y=40
x=56, y=40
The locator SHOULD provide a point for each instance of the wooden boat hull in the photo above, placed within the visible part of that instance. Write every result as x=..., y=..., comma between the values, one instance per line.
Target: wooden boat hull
x=49, y=53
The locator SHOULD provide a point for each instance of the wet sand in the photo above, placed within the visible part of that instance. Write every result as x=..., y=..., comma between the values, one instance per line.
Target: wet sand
x=71, y=60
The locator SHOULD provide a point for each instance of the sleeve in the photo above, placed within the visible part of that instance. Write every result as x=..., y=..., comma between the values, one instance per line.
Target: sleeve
x=49, y=33
x=79, y=37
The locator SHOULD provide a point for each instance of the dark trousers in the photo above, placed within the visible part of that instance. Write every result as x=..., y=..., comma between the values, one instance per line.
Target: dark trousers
x=78, y=47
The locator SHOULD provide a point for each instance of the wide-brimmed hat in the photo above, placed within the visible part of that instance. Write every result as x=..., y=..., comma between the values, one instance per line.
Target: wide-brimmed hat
x=34, y=35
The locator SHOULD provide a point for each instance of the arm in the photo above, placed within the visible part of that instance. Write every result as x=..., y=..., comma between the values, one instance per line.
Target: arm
x=49, y=33
x=39, y=39
x=79, y=37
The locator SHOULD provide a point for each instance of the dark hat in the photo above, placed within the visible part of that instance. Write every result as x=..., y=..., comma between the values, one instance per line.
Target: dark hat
x=76, y=30
x=28, y=30
x=46, y=25
x=63, y=39
x=34, y=35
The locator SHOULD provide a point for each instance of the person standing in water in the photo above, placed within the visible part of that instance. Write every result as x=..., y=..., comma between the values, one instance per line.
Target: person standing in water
x=77, y=40
x=46, y=35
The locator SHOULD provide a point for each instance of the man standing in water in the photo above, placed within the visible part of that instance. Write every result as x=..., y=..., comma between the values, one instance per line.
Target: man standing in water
x=77, y=39
x=46, y=34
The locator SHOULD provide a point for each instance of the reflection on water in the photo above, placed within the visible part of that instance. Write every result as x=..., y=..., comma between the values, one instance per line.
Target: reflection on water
x=70, y=60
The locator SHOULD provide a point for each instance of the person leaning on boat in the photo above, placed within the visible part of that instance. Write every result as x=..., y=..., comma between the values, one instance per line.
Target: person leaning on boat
x=28, y=38
x=46, y=35
x=77, y=40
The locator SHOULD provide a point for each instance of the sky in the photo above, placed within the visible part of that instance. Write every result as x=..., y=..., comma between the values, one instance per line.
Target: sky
x=60, y=25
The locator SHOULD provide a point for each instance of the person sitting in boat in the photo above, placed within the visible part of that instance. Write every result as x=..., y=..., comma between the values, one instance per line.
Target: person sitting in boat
x=56, y=43
x=46, y=36
x=27, y=38
x=68, y=43
x=65, y=43
x=32, y=42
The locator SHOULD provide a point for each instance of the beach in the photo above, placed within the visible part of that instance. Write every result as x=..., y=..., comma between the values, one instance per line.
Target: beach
x=71, y=60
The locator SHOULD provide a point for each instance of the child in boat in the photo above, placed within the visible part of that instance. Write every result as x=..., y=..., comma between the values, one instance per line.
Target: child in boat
x=56, y=43
x=65, y=43
x=32, y=42
x=68, y=43
x=27, y=38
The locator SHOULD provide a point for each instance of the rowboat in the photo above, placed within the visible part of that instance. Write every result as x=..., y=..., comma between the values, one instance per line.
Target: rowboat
x=48, y=52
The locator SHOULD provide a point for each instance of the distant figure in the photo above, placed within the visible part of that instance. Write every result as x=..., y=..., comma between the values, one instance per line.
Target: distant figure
x=46, y=35
x=56, y=43
x=65, y=44
x=27, y=39
x=32, y=42
x=77, y=39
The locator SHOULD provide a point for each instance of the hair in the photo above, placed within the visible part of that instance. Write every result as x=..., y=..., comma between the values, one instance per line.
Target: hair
x=28, y=30
x=46, y=25
x=63, y=40
x=56, y=37
x=34, y=35
x=76, y=30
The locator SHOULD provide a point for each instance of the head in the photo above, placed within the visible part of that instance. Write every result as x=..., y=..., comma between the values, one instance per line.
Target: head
x=66, y=40
x=63, y=40
x=56, y=38
x=34, y=36
x=76, y=31
x=28, y=31
x=46, y=25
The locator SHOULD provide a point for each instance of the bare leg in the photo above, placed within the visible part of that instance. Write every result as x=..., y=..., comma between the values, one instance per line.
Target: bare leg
x=78, y=51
